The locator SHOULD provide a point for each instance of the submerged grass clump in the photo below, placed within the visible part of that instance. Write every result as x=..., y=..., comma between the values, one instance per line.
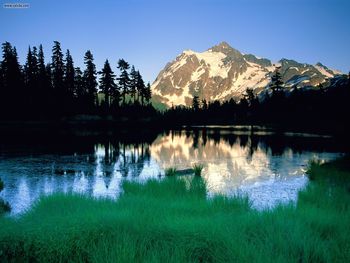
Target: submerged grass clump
x=170, y=171
x=197, y=168
x=172, y=220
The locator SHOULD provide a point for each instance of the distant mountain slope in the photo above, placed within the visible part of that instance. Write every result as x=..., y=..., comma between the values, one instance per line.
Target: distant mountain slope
x=222, y=73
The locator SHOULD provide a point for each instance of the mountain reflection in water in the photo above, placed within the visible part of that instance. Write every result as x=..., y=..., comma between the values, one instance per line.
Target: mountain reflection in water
x=269, y=168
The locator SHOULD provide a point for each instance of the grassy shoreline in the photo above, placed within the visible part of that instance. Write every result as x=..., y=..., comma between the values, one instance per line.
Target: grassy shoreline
x=172, y=221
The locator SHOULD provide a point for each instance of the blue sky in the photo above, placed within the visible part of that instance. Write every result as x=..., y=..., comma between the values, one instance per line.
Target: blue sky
x=151, y=33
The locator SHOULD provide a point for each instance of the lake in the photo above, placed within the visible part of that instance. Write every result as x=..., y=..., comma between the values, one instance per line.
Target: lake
x=267, y=166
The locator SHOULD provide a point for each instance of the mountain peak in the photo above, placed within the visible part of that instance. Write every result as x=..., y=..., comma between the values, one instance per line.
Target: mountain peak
x=320, y=65
x=224, y=44
x=222, y=73
x=231, y=53
x=223, y=47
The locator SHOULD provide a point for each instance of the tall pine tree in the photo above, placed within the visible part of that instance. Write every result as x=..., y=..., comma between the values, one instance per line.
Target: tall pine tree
x=90, y=82
x=140, y=87
x=57, y=71
x=42, y=77
x=31, y=77
x=195, y=103
x=123, y=80
x=12, y=93
x=133, y=83
x=148, y=93
x=29, y=71
x=69, y=76
x=107, y=82
x=57, y=67
x=79, y=89
x=276, y=82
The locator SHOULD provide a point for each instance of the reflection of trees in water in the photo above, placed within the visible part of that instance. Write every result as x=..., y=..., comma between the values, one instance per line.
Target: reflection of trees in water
x=129, y=157
x=124, y=158
x=274, y=144
x=195, y=139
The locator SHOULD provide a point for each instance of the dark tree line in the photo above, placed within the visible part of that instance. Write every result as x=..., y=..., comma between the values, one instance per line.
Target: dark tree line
x=39, y=91
x=316, y=107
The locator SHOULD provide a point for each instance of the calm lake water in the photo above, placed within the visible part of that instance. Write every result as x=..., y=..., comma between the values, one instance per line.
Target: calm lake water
x=268, y=167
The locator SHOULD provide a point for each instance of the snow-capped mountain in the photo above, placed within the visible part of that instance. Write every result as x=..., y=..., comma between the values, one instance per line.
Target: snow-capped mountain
x=222, y=73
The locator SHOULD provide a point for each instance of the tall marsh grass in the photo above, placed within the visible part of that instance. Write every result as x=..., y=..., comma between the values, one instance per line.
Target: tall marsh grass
x=198, y=168
x=171, y=171
x=169, y=221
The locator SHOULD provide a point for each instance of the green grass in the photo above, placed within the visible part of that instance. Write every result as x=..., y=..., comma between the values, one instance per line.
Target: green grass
x=172, y=221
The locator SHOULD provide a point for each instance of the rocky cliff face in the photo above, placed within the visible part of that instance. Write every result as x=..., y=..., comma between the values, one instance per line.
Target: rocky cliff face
x=222, y=73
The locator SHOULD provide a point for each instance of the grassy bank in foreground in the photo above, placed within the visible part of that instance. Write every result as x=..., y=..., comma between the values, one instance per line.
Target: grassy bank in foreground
x=172, y=221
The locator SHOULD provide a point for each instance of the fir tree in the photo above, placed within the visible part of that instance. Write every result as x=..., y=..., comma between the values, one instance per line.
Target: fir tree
x=276, y=82
x=204, y=104
x=90, y=80
x=107, y=82
x=115, y=96
x=140, y=87
x=123, y=80
x=250, y=97
x=79, y=90
x=69, y=76
x=148, y=93
x=133, y=83
x=28, y=70
x=195, y=103
x=57, y=67
x=42, y=77
x=12, y=93
x=48, y=79
x=31, y=74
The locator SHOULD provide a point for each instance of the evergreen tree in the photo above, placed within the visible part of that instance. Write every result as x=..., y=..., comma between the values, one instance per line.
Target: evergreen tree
x=195, y=103
x=57, y=67
x=35, y=70
x=69, y=77
x=140, y=87
x=204, y=104
x=12, y=93
x=11, y=69
x=123, y=80
x=107, y=82
x=148, y=93
x=250, y=97
x=31, y=74
x=48, y=79
x=115, y=96
x=28, y=70
x=276, y=82
x=42, y=77
x=79, y=89
x=133, y=83
x=276, y=105
x=90, y=81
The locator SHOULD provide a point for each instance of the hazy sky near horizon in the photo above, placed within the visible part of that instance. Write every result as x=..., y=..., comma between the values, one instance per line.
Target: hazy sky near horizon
x=151, y=33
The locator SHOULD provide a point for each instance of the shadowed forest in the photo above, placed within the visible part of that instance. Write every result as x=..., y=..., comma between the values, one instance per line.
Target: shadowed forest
x=39, y=91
